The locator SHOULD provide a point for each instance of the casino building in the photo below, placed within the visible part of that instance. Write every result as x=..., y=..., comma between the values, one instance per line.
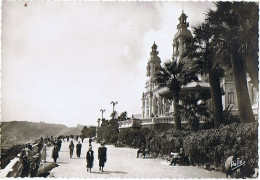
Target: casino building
x=157, y=104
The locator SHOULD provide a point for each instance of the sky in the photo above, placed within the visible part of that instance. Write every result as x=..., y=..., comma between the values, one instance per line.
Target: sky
x=64, y=61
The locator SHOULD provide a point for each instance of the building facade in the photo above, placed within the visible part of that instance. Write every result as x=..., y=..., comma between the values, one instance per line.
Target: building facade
x=157, y=103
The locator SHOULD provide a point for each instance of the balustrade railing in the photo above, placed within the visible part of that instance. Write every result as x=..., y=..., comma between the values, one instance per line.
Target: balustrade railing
x=129, y=123
x=14, y=168
x=156, y=120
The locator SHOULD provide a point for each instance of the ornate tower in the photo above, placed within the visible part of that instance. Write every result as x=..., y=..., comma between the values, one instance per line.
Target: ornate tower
x=180, y=37
x=153, y=65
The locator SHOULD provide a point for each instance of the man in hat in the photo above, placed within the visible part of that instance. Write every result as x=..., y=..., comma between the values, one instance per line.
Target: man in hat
x=102, y=156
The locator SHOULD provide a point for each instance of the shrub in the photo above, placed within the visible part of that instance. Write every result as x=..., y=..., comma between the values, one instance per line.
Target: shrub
x=135, y=137
x=166, y=142
x=214, y=146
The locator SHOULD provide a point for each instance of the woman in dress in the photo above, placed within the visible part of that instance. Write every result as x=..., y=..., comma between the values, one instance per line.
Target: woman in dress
x=90, y=159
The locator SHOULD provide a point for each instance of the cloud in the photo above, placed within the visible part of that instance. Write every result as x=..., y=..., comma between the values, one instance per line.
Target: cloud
x=68, y=59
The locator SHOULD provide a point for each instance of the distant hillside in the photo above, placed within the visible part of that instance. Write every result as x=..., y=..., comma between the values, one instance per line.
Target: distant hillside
x=16, y=132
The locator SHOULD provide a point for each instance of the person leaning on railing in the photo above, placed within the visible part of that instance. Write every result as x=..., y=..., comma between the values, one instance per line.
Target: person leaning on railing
x=35, y=163
x=25, y=165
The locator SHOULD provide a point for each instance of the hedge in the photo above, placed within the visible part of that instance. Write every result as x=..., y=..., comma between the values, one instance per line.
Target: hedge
x=135, y=137
x=214, y=146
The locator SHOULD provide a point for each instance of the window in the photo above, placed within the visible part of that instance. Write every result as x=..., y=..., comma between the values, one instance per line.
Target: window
x=231, y=98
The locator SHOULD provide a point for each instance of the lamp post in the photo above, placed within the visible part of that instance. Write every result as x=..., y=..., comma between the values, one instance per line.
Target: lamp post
x=97, y=127
x=114, y=103
x=102, y=111
x=98, y=122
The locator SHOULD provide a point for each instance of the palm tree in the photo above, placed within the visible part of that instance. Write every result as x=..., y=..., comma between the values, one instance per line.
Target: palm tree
x=193, y=108
x=201, y=50
x=173, y=76
x=231, y=22
x=122, y=116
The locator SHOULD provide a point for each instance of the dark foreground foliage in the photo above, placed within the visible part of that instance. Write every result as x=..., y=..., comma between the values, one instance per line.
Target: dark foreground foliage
x=214, y=146
x=135, y=137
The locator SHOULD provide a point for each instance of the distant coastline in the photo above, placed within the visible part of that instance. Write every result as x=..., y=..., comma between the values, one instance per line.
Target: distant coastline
x=19, y=132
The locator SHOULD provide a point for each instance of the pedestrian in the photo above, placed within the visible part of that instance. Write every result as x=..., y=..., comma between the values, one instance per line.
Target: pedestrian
x=143, y=150
x=28, y=151
x=78, y=149
x=25, y=166
x=138, y=152
x=82, y=139
x=89, y=141
x=68, y=138
x=40, y=146
x=90, y=158
x=30, y=146
x=35, y=165
x=71, y=147
x=44, y=152
x=102, y=156
x=55, y=152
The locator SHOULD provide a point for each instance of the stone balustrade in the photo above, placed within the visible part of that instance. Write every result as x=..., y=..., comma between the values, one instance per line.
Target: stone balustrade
x=129, y=123
x=155, y=120
x=14, y=168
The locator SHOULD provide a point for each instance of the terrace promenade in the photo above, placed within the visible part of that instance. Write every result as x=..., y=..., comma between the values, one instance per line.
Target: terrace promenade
x=122, y=162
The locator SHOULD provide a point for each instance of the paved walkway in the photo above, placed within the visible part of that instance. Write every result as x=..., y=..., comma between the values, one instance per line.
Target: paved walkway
x=122, y=162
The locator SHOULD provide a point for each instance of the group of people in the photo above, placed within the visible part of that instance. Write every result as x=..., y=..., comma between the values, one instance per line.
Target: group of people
x=102, y=154
x=31, y=160
x=76, y=138
x=31, y=156
x=143, y=151
x=102, y=157
x=78, y=149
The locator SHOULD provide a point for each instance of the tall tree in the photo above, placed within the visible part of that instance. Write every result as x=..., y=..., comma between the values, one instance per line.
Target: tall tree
x=231, y=22
x=122, y=116
x=193, y=108
x=173, y=76
x=201, y=50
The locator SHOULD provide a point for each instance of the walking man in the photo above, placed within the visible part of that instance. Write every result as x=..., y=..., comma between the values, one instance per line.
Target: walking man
x=90, y=158
x=102, y=156
x=78, y=149
x=71, y=147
